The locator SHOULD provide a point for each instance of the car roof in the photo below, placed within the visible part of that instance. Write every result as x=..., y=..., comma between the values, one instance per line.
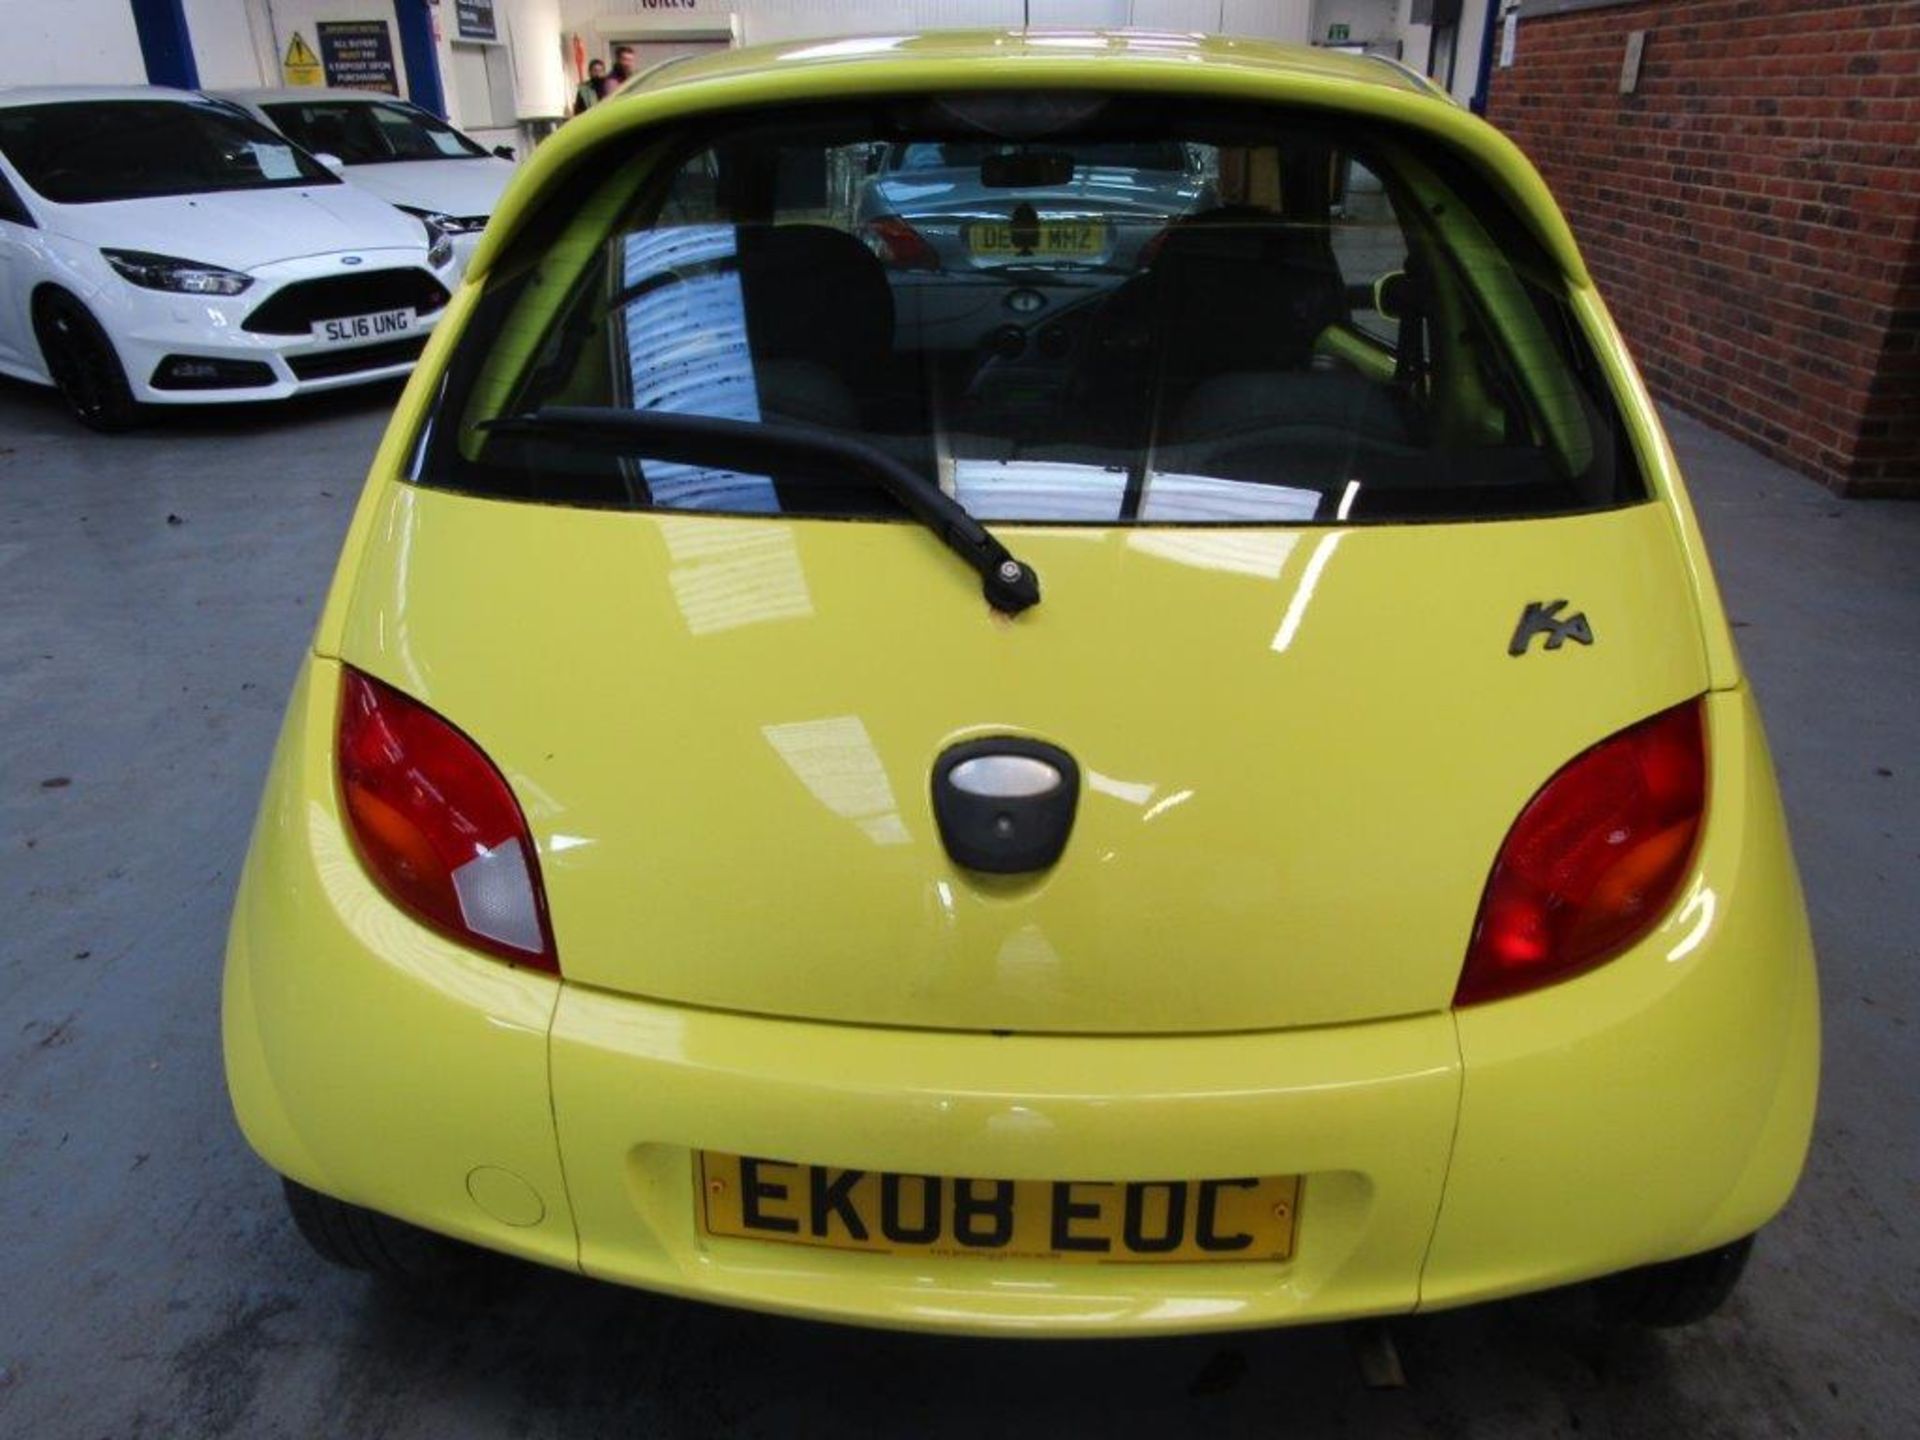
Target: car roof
x=287, y=94
x=1271, y=58
x=12, y=95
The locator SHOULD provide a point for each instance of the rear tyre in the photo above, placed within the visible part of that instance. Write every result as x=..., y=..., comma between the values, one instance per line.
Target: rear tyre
x=391, y=1250
x=86, y=369
x=1677, y=1292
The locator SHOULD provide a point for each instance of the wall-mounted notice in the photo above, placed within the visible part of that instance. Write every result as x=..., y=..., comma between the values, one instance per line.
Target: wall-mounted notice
x=358, y=55
x=474, y=20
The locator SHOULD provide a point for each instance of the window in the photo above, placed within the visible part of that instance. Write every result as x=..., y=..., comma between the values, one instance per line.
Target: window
x=11, y=206
x=85, y=152
x=1160, y=313
x=1368, y=245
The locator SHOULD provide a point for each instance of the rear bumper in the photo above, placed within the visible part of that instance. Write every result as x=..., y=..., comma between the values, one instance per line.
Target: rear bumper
x=1364, y=1114
x=1656, y=1107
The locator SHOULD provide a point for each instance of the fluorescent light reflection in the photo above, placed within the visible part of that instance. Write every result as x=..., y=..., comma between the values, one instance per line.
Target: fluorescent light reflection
x=1175, y=498
x=1700, y=907
x=1260, y=553
x=842, y=49
x=1134, y=792
x=1303, y=593
x=728, y=573
x=687, y=353
x=1178, y=797
x=836, y=760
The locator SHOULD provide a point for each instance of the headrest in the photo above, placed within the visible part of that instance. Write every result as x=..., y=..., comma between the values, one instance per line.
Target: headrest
x=814, y=293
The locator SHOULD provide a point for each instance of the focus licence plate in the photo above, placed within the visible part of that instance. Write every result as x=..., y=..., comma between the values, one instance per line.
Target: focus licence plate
x=381, y=326
x=1057, y=237
x=1146, y=1221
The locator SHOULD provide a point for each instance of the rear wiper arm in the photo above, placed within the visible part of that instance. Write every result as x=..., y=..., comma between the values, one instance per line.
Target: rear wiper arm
x=755, y=445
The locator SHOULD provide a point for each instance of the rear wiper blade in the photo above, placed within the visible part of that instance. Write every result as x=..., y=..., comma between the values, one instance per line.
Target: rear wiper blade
x=757, y=445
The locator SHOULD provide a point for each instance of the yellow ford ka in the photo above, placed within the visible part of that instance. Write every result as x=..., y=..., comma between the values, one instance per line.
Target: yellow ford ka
x=1047, y=683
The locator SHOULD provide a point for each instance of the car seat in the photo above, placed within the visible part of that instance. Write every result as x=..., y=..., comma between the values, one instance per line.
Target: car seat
x=1238, y=288
x=819, y=322
x=329, y=136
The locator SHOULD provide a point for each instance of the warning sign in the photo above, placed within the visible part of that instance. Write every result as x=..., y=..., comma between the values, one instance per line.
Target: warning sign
x=358, y=55
x=302, y=66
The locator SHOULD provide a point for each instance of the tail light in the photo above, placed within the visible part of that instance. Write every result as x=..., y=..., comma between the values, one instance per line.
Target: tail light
x=1593, y=861
x=436, y=826
x=899, y=245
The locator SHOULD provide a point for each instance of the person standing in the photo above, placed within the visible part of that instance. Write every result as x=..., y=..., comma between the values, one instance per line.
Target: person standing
x=623, y=65
x=591, y=90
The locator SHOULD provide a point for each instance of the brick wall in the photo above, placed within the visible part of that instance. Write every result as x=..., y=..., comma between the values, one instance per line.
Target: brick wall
x=1751, y=213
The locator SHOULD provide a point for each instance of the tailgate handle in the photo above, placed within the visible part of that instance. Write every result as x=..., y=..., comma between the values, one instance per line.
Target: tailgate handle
x=1005, y=805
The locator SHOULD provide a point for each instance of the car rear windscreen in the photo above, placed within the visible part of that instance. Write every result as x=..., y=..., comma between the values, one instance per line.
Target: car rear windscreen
x=1069, y=309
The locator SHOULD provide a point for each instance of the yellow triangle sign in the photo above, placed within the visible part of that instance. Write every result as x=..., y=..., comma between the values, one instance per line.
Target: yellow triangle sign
x=302, y=66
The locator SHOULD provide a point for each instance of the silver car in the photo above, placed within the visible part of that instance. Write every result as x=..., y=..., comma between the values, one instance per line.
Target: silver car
x=987, y=244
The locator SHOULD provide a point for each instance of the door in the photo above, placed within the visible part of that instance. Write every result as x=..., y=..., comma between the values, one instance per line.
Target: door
x=16, y=226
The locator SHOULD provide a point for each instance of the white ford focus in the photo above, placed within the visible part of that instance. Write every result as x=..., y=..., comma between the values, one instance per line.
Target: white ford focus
x=397, y=150
x=157, y=248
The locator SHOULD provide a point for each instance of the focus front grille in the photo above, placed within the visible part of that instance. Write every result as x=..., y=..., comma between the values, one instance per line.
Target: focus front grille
x=329, y=363
x=295, y=309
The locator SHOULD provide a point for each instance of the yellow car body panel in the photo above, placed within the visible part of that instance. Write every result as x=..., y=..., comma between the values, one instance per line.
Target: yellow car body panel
x=375, y=1061
x=1361, y=1112
x=1663, y=1103
x=367, y=1055
x=1652, y=1108
x=744, y=713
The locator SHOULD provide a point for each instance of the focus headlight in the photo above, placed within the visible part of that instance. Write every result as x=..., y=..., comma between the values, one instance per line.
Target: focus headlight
x=439, y=247
x=167, y=272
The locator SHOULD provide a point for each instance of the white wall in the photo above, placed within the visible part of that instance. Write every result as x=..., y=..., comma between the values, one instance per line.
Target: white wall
x=1269, y=19
x=1475, y=17
x=765, y=20
x=601, y=21
x=540, y=83
x=1365, y=20
x=232, y=43
x=1416, y=41
x=72, y=42
x=1264, y=19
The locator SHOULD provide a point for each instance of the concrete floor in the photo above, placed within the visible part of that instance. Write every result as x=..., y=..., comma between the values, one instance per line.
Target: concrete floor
x=154, y=594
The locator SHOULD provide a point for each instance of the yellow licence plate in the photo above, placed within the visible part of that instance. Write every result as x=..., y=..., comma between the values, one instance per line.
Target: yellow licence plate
x=1085, y=1220
x=1056, y=237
